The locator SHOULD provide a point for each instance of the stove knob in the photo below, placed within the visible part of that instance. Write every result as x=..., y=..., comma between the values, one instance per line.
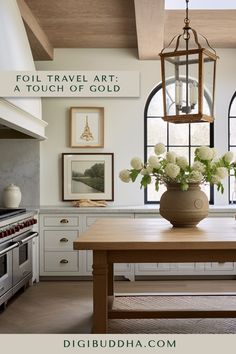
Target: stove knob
x=1, y=234
x=21, y=226
x=13, y=230
x=35, y=221
x=17, y=228
x=10, y=231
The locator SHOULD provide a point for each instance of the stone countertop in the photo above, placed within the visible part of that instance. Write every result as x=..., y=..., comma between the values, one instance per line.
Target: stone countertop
x=142, y=209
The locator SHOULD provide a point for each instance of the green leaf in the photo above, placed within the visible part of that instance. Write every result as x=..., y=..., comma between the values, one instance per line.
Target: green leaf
x=134, y=174
x=145, y=181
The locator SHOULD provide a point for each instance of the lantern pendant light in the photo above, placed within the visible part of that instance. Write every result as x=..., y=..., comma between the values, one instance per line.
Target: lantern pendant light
x=188, y=78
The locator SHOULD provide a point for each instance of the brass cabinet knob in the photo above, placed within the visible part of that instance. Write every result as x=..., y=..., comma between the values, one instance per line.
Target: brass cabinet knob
x=64, y=221
x=64, y=239
x=64, y=261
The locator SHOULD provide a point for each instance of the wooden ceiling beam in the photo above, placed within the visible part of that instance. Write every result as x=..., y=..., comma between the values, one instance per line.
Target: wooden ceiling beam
x=39, y=42
x=149, y=15
x=218, y=26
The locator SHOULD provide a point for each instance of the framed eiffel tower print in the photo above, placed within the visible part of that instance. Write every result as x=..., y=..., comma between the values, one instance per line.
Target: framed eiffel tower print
x=87, y=127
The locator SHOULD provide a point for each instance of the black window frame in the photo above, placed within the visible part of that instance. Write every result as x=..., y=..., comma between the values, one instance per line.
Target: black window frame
x=229, y=145
x=153, y=92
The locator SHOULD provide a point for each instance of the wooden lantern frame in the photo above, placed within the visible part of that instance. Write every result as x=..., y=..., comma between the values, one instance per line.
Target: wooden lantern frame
x=202, y=53
x=200, y=116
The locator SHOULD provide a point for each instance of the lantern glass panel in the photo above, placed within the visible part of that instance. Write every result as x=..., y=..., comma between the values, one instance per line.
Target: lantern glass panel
x=208, y=81
x=182, y=97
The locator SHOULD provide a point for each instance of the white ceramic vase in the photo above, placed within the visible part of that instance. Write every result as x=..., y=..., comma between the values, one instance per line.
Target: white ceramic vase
x=11, y=196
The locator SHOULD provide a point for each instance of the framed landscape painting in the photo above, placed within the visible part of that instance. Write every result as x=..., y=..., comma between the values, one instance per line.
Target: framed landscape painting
x=87, y=127
x=87, y=176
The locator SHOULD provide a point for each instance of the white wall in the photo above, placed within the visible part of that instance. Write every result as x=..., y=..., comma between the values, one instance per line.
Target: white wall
x=124, y=123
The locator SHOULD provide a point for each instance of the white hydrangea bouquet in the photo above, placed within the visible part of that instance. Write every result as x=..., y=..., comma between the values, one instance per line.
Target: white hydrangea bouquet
x=167, y=167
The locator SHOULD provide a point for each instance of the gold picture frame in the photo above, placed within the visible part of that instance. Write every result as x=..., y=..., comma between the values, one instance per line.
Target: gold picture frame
x=87, y=127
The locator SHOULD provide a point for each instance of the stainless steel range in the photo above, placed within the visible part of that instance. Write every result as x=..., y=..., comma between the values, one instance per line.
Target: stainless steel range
x=16, y=235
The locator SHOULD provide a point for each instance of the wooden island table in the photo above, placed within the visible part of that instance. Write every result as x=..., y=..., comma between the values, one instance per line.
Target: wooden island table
x=147, y=241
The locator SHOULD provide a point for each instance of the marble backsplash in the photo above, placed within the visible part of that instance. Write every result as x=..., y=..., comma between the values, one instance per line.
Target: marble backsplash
x=20, y=164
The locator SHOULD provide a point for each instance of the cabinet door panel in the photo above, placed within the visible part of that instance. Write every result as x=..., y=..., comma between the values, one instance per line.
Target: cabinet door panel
x=185, y=266
x=214, y=266
x=152, y=267
x=122, y=267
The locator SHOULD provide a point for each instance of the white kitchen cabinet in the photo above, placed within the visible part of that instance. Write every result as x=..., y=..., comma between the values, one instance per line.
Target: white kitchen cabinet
x=61, y=226
x=57, y=257
x=57, y=233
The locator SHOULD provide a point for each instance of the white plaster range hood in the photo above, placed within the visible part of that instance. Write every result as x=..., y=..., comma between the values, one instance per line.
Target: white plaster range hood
x=19, y=117
x=18, y=123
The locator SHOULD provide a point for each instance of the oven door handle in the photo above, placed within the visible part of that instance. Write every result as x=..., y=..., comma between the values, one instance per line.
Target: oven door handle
x=8, y=249
x=27, y=239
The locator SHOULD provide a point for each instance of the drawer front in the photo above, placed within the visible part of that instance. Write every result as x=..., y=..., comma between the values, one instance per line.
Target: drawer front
x=91, y=219
x=56, y=240
x=63, y=221
x=61, y=262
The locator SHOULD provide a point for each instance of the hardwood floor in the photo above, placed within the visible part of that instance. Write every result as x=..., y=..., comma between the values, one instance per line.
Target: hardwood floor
x=66, y=306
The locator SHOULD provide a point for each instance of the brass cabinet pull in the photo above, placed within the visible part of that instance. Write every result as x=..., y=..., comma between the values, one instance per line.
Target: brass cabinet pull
x=64, y=261
x=64, y=221
x=64, y=239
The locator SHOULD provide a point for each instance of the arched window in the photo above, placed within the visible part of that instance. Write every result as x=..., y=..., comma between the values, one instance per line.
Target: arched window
x=232, y=144
x=181, y=138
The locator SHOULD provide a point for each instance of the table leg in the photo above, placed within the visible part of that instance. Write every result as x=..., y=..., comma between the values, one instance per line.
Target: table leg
x=110, y=279
x=110, y=285
x=100, y=292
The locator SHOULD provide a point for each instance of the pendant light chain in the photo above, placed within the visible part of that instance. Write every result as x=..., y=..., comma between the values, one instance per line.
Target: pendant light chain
x=186, y=23
x=186, y=20
x=187, y=110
